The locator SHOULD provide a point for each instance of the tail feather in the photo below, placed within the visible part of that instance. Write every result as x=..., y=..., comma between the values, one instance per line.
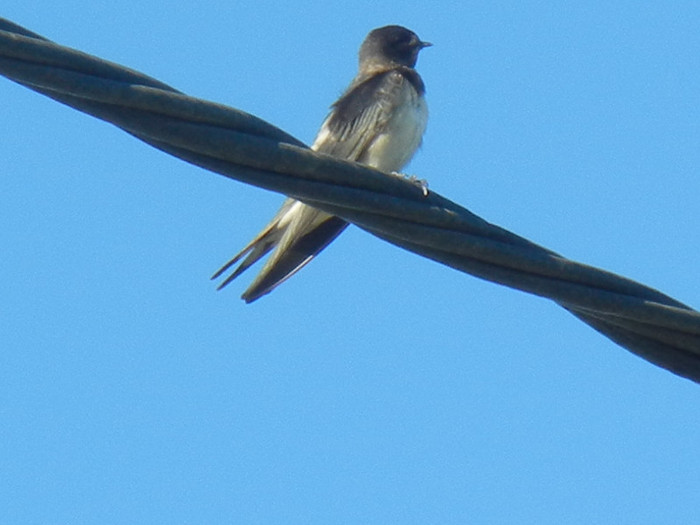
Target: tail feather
x=252, y=258
x=297, y=234
x=263, y=242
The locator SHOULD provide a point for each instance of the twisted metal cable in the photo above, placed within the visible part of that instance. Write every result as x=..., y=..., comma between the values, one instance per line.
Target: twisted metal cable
x=240, y=146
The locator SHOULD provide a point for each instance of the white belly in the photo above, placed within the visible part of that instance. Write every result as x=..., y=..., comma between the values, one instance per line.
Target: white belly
x=392, y=150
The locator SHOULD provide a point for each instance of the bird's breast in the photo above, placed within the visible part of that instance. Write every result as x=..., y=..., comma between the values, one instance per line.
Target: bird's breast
x=393, y=148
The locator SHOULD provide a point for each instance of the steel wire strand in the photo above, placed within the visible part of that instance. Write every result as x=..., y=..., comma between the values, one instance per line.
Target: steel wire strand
x=246, y=148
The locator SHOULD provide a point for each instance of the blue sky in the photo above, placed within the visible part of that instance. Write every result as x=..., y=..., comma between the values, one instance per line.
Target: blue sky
x=374, y=386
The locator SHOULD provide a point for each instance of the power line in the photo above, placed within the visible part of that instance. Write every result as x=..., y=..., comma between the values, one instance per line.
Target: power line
x=246, y=148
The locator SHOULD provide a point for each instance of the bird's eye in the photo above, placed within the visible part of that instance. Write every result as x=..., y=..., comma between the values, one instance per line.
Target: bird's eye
x=402, y=40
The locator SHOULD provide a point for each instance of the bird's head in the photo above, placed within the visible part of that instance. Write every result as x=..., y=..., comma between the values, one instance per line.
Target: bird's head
x=390, y=46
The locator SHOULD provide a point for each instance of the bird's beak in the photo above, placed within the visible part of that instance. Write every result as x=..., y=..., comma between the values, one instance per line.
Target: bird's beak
x=425, y=44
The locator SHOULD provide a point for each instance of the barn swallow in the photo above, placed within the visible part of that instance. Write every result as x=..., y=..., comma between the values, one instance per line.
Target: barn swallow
x=378, y=121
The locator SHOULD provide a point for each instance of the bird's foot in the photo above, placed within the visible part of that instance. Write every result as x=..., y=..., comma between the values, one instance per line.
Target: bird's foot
x=421, y=183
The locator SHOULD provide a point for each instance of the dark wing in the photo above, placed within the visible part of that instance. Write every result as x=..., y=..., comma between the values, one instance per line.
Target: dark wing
x=360, y=114
x=295, y=250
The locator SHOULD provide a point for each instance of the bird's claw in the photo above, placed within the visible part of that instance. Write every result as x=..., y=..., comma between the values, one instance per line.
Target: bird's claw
x=421, y=183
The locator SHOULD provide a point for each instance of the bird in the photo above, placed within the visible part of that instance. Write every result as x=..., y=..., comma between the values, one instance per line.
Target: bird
x=378, y=121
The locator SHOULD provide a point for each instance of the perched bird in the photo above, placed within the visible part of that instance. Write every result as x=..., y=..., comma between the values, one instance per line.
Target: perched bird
x=378, y=121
